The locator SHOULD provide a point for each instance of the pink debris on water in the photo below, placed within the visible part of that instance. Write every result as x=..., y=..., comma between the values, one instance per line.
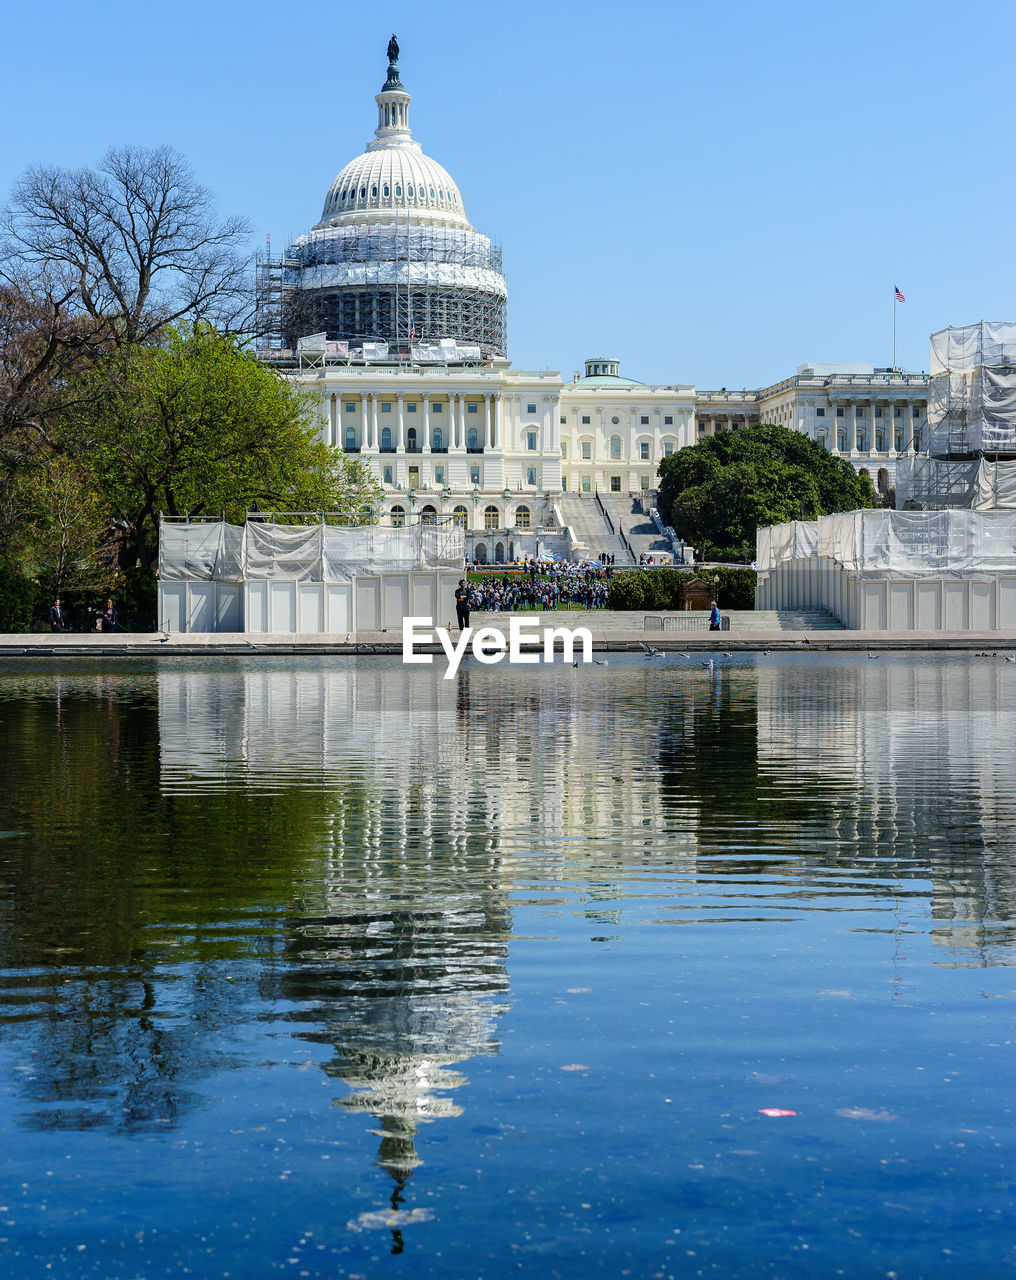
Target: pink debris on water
x=775, y=1111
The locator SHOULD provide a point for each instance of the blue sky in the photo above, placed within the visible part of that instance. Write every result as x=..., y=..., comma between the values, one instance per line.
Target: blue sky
x=714, y=194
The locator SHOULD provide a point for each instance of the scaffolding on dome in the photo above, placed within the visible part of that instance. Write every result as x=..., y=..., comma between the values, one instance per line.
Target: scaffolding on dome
x=384, y=293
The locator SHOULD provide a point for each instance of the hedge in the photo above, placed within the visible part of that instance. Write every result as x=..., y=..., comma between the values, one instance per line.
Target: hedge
x=659, y=590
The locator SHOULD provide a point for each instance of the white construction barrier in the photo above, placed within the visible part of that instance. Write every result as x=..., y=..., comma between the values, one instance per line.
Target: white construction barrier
x=304, y=579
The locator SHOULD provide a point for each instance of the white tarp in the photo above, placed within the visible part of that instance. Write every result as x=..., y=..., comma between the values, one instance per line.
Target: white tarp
x=991, y=342
x=220, y=552
x=203, y=552
x=979, y=483
x=795, y=540
x=916, y=542
x=972, y=392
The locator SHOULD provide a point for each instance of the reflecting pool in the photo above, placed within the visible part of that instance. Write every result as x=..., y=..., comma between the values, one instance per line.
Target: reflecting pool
x=662, y=967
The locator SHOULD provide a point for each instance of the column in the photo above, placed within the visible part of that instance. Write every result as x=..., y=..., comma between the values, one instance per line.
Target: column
x=488, y=441
x=425, y=444
x=332, y=428
x=908, y=428
x=363, y=419
x=497, y=417
x=375, y=442
x=401, y=440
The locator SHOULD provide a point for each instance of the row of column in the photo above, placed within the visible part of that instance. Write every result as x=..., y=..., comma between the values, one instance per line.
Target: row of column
x=454, y=430
x=871, y=425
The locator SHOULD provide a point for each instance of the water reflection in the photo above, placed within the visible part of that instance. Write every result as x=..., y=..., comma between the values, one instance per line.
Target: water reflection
x=349, y=841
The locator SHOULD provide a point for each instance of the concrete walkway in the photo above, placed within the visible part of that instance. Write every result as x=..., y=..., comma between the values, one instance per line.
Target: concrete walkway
x=605, y=639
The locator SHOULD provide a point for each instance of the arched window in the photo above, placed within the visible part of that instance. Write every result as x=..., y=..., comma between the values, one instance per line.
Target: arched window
x=388, y=192
x=460, y=516
x=386, y=437
x=398, y=517
x=411, y=440
x=436, y=438
x=615, y=448
x=499, y=553
x=491, y=518
x=350, y=438
x=480, y=554
x=409, y=192
x=472, y=439
x=428, y=515
x=398, y=190
x=522, y=518
x=363, y=193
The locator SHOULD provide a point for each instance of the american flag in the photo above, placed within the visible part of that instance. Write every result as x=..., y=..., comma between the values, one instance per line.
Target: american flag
x=412, y=331
x=899, y=296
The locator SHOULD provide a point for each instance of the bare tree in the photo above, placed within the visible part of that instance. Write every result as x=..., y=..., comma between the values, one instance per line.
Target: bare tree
x=133, y=244
x=94, y=260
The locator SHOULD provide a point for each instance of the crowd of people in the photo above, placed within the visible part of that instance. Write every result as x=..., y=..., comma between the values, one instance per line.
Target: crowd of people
x=543, y=586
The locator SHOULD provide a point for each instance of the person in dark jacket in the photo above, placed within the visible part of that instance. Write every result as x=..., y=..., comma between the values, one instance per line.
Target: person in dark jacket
x=55, y=616
x=462, y=603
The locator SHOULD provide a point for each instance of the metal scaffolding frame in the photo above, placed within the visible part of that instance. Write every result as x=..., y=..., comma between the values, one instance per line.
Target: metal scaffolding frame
x=387, y=285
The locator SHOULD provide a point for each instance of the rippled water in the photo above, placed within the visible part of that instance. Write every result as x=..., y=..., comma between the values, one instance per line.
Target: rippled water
x=330, y=967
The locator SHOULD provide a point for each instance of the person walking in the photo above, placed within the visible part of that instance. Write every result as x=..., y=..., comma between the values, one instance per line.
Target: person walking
x=462, y=604
x=106, y=617
x=55, y=616
x=714, y=617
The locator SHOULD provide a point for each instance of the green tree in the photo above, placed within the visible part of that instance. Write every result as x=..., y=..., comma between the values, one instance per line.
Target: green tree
x=196, y=426
x=718, y=493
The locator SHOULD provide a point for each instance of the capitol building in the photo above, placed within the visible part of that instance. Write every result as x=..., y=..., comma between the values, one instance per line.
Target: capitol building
x=392, y=312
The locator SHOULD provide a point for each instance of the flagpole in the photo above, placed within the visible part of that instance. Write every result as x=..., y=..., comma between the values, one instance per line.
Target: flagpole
x=894, y=327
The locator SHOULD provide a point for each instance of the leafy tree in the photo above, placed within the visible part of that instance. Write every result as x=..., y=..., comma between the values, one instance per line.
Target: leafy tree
x=67, y=542
x=718, y=493
x=196, y=426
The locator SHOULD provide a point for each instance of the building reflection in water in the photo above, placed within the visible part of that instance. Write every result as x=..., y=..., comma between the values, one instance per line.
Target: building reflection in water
x=921, y=752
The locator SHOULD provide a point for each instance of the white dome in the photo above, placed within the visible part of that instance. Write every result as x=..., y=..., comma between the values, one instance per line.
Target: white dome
x=394, y=177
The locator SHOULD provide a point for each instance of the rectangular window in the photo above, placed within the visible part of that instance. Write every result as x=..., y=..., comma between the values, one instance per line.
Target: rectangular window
x=388, y=475
x=878, y=412
x=530, y=439
x=564, y=448
x=668, y=420
x=471, y=408
x=858, y=411
x=839, y=412
x=820, y=412
x=474, y=475
x=531, y=476
x=615, y=484
x=668, y=449
x=564, y=422
x=899, y=442
x=644, y=449
x=410, y=408
x=841, y=441
x=879, y=441
x=644, y=421
x=435, y=408
x=386, y=406
x=896, y=412
x=530, y=408
x=643, y=482
x=859, y=443
x=585, y=484
x=439, y=475
x=350, y=407
x=586, y=449
x=585, y=420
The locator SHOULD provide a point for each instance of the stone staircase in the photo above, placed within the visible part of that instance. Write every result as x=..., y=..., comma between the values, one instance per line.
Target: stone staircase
x=782, y=620
x=642, y=534
x=590, y=532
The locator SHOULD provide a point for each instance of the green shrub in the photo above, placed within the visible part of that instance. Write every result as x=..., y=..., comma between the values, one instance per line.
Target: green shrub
x=18, y=599
x=735, y=587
